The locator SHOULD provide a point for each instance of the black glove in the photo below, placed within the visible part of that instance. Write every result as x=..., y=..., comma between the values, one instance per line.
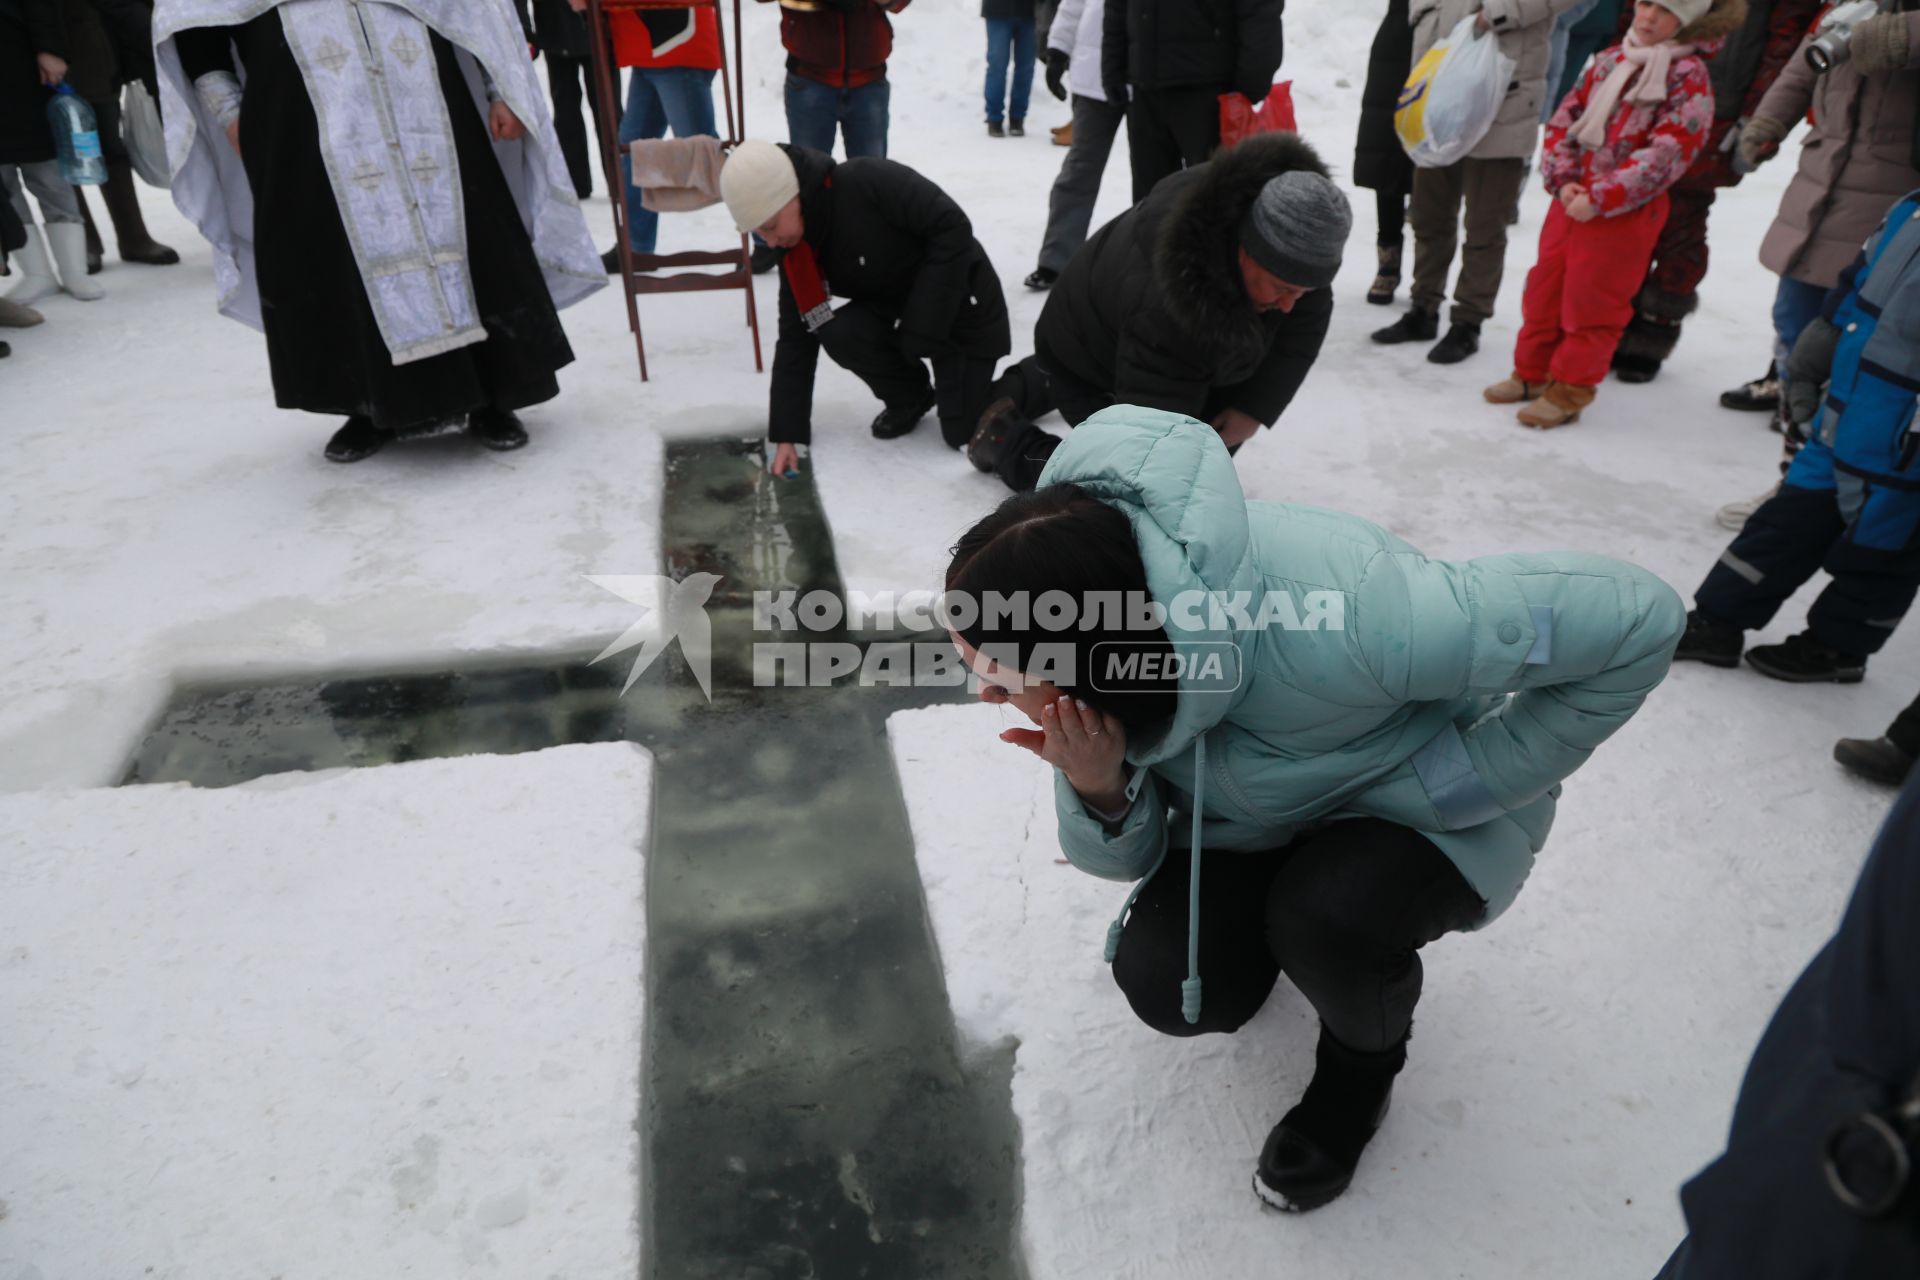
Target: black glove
x=1057, y=64
x=1808, y=369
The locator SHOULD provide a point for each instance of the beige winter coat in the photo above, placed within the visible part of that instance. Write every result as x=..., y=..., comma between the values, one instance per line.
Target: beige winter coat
x=1525, y=30
x=1855, y=163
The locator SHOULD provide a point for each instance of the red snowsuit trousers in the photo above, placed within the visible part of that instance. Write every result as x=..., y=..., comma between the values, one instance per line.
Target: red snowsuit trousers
x=1579, y=294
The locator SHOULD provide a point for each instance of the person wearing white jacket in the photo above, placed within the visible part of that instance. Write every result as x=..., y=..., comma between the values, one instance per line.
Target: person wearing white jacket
x=1073, y=65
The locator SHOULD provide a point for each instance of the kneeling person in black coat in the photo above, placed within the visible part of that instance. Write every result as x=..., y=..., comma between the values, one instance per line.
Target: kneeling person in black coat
x=1210, y=298
x=921, y=289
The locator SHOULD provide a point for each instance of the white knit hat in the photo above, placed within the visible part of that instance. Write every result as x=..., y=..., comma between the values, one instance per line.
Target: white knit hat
x=756, y=182
x=1688, y=11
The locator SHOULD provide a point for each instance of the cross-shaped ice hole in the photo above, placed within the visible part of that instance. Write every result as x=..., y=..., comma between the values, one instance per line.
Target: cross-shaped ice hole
x=809, y=1111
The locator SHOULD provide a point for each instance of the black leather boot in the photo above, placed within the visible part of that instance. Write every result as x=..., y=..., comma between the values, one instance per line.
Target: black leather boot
x=497, y=429
x=896, y=420
x=129, y=225
x=1879, y=760
x=1462, y=340
x=1715, y=643
x=1310, y=1156
x=1800, y=659
x=357, y=438
x=1417, y=325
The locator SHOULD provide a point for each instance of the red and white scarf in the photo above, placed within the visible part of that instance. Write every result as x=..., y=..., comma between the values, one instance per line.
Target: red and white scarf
x=1650, y=63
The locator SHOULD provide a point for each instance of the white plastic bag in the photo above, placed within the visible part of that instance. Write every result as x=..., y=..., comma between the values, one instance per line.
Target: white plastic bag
x=1453, y=96
x=146, y=140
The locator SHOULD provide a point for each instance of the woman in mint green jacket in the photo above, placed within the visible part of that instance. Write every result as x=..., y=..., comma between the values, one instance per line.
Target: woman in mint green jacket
x=1369, y=741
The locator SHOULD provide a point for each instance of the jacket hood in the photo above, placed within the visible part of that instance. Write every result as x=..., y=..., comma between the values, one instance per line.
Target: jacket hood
x=1195, y=260
x=1719, y=22
x=1176, y=483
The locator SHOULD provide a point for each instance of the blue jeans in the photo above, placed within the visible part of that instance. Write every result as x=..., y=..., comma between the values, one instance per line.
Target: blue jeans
x=1004, y=35
x=813, y=109
x=659, y=98
x=1796, y=304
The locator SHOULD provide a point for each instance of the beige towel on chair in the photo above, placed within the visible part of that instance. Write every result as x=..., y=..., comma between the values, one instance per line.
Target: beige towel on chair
x=677, y=174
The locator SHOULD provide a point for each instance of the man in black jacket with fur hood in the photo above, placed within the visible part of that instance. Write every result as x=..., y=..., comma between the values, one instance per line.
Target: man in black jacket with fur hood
x=1208, y=298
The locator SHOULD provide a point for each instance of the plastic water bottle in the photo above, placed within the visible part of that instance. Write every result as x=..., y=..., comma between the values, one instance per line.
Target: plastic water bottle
x=76, y=138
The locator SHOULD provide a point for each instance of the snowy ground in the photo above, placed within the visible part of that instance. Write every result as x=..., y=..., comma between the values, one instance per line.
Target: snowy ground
x=382, y=1022
x=166, y=523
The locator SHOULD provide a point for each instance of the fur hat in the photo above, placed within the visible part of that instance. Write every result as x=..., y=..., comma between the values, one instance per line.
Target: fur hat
x=756, y=182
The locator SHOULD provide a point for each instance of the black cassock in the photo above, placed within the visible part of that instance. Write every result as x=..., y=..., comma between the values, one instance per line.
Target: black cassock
x=323, y=344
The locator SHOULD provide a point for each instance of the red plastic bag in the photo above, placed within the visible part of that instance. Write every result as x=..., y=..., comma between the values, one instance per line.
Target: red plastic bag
x=1240, y=119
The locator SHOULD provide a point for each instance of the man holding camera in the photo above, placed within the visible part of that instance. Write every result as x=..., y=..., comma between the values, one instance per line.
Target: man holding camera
x=1858, y=160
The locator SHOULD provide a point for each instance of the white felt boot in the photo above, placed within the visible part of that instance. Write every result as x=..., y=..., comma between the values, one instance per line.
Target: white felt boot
x=68, y=240
x=35, y=272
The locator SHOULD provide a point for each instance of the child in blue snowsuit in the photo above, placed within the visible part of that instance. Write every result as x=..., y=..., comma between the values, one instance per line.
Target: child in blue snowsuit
x=1851, y=500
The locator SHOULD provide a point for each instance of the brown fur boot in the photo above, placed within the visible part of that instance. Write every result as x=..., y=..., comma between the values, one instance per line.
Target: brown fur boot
x=1558, y=405
x=1513, y=389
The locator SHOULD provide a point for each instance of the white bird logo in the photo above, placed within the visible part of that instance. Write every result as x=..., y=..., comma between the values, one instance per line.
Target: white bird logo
x=683, y=616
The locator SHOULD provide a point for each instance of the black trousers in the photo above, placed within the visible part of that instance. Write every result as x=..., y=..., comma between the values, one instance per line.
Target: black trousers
x=1342, y=912
x=862, y=339
x=1169, y=130
x=1792, y=536
x=565, y=78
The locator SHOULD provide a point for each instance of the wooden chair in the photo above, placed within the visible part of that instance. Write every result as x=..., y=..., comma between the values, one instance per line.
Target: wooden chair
x=648, y=273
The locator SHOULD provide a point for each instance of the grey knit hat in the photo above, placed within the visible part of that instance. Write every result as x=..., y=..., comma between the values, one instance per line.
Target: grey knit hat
x=1297, y=228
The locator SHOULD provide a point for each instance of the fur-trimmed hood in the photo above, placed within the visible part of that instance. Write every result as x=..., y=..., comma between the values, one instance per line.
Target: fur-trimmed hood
x=1195, y=260
x=1719, y=22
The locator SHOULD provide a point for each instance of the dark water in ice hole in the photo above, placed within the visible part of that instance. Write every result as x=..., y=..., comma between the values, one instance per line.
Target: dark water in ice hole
x=808, y=1112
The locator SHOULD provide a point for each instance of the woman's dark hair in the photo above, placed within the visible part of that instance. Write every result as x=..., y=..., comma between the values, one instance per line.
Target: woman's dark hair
x=1063, y=539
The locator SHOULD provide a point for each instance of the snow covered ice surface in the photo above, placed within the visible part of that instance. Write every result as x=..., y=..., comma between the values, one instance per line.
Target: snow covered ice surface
x=382, y=1022
x=166, y=523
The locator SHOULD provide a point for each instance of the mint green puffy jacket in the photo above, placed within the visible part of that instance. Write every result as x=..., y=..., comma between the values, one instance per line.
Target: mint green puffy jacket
x=1450, y=697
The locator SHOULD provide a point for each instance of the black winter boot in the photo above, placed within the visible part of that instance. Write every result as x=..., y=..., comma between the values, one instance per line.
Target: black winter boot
x=497, y=429
x=357, y=438
x=1387, y=275
x=1714, y=643
x=995, y=130
x=895, y=421
x=1016, y=128
x=1417, y=325
x=1041, y=279
x=1875, y=759
x=1800, y=659
x=129, y=225
x=1310, y=1156
x=1653, y=332
x=1462, y=340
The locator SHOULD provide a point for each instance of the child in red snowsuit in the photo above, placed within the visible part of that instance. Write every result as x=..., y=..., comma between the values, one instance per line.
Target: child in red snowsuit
x=1627, y=132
